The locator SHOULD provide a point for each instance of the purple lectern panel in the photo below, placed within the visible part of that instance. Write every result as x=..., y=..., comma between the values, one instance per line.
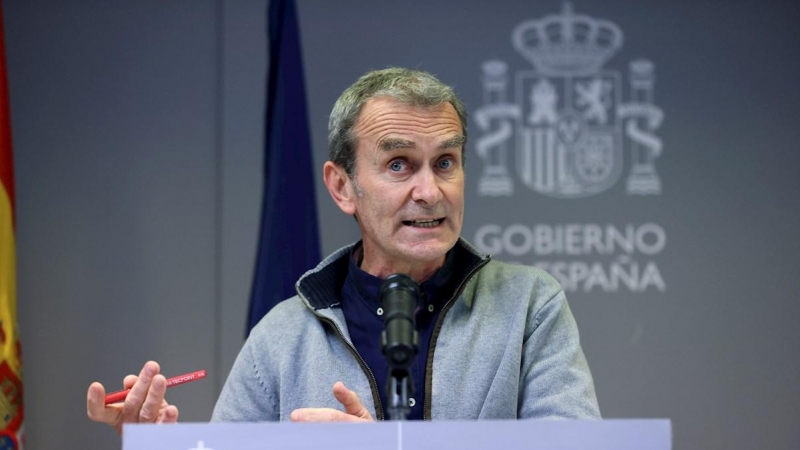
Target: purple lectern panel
x=505, y=435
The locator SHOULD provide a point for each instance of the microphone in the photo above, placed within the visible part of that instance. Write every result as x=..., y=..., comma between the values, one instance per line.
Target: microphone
x=399, y=296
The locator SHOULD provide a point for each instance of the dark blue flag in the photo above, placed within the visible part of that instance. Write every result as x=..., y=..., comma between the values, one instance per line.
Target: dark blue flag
x=289, y=241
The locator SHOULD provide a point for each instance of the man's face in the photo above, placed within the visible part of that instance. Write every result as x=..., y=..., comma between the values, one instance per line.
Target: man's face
x=408, y=185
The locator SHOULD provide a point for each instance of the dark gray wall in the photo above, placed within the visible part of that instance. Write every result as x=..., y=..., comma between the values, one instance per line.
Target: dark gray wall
x=137, y=132
x=116, y=125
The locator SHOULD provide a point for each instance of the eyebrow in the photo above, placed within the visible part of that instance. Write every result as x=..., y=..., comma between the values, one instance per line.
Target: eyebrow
x=453, y=142
x=396, y=144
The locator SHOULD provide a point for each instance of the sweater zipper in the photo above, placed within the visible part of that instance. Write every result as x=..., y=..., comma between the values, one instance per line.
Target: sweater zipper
x=373, y=383
x=436, y=328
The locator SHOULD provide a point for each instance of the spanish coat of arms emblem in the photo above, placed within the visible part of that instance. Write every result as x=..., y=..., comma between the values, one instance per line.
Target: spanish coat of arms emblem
x=568, y=121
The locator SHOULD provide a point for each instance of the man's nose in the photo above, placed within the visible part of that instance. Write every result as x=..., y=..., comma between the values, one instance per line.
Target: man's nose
x=426, y=187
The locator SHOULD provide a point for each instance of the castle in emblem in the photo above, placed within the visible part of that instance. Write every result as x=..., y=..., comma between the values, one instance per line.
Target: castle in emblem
x=568, y=120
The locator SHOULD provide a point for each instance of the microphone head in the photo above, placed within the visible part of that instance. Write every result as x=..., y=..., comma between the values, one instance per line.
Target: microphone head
x=398, y=281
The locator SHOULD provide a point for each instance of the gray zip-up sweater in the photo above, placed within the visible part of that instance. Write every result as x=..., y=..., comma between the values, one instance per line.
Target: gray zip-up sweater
x=505, y=346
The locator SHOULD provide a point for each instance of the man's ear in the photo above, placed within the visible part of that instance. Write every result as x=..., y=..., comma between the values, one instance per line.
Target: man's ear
x=340, y=187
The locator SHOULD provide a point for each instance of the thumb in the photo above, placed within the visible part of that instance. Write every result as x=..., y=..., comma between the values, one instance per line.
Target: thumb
x=349, y=399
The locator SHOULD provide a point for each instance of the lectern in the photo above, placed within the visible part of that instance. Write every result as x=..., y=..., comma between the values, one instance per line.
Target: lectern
x=653, y=434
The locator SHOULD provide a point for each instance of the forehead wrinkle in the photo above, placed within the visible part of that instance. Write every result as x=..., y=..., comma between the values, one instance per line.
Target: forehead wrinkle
x=372, y=117
x=405, y=123
x=388, y=127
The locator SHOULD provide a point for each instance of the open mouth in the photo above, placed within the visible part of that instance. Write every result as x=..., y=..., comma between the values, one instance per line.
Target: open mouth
x=427, y=223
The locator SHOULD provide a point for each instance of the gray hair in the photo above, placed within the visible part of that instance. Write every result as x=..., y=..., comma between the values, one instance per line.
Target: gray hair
x=410, y=87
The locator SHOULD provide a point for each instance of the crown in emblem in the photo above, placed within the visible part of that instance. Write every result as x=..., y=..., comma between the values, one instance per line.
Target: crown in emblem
x=567, y=44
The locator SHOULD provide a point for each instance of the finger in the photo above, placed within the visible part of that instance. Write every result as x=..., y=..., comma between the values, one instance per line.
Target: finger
x=349, y=399
x=129, y=381
x=96, y=405
x=138, y=394
x=169, y=414
x=322, y=415
x=151, y=408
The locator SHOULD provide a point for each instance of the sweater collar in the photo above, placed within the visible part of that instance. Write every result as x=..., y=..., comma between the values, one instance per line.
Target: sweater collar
x=320, y=287
x=436, y=290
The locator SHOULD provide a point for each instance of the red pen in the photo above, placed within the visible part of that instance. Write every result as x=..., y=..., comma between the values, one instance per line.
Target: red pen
x=119, y=396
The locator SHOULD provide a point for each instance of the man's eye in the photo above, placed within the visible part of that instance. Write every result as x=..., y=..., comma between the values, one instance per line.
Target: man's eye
x=396, y=166
x=445, y=163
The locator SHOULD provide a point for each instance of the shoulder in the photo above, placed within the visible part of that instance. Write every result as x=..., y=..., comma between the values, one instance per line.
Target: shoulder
x=494, y=274
x=287, y=318
x=517, y=279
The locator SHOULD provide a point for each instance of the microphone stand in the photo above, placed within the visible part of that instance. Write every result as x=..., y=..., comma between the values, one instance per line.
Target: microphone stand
x=399, y=389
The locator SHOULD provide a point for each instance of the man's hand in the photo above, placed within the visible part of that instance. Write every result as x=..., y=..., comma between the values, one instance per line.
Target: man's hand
x=145, y=403
x=354, y=411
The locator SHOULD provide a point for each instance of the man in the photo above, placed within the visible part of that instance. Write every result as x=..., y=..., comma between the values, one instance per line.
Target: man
x=497, y=341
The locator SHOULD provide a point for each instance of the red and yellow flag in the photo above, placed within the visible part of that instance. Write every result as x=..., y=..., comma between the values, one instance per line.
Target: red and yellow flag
x=11, y=410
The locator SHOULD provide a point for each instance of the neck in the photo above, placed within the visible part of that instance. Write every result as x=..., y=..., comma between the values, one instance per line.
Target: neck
x=419, y=272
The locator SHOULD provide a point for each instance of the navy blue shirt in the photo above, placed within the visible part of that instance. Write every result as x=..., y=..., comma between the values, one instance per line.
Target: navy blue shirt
x=360, y=304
